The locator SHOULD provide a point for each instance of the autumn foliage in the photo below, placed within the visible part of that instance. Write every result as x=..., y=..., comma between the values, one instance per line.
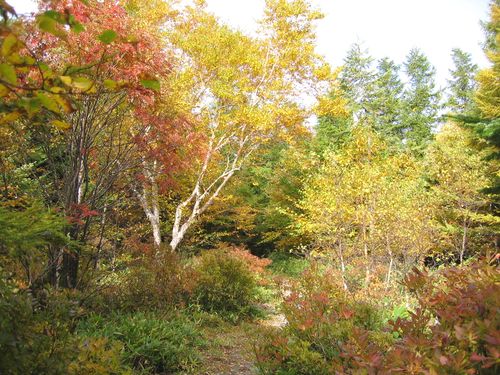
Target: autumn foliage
x=452, y=327
x=152, y=156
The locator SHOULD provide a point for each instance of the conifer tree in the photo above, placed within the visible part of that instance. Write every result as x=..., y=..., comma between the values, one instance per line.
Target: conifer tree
x=421, y=100
x=356, y=81
x=386, y=101
x=462, y=83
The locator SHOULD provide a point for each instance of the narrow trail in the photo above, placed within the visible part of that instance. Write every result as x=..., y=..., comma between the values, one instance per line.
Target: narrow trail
x=233, y=351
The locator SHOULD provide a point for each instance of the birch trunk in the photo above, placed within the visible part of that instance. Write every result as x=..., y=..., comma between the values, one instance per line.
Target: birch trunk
x=365, y=252
x=391, y=262
x=203, y=197
x=464, y=241
x=342, y=265
x=151, y=208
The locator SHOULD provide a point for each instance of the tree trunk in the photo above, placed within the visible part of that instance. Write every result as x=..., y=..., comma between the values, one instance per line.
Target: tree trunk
x=389, y=271
x=69, y=270
x=342, y=265
x=202, y=198
x=464, y=241
x=176, y=239
x=154, y=220
x=150, y=203
x=367, y=258
x=54, y=266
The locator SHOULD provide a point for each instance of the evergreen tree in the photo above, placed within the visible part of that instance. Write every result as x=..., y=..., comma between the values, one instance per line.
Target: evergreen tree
x=462, y=83
x=386, y=101
x=356, y=81
x=331, y=133
x=421, y=100
x=487, y=124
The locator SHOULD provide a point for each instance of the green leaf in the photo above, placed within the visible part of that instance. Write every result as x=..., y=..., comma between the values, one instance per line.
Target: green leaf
x=82, y=83
x=48, y=102
x=9, y=42
x=152, y=84
x=15, y=59
x=107, y=36
x=31, y=105
x=56, y=16
x=8, y=73
x=110, y=84
x=48, y=24
x=77, y=27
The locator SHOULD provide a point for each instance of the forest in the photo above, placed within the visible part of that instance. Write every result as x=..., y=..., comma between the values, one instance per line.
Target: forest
x=178, y=196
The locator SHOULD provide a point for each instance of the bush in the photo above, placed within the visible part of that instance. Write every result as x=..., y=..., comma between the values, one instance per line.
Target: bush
x=34, y=339
x=290, y=356
x=36, y=336
x=256, y=265
x=150, y=342
x=322, y=318
x=226, y=283
x=288, y=264
x=452, y=330
x=98, y=356
x=455, y=328
x=148, y=282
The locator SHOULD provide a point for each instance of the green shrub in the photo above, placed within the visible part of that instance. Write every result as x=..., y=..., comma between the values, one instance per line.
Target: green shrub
x=289, y=356
x=98, y=356
x=34, y=334
x=225, y=283
x=150, y=342
x=146, y=283
x=288, y=264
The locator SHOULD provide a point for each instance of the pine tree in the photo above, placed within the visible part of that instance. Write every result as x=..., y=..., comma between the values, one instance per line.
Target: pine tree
x=331, y=133
x=356, y=81
x=386, y=101
x=421, y=100
x=462, y=83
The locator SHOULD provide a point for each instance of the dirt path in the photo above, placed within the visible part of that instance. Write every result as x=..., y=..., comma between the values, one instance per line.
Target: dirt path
x=232, y=347
x=231, y=351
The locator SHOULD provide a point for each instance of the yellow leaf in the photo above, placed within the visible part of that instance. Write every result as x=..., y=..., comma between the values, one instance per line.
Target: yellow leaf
x=110, y=84
x=64, y=103
x=48, y=101
x=66, y=80
x=3, y=91
x=10, y=117
x=8, y=73
x=56, y=89
x=61, y=125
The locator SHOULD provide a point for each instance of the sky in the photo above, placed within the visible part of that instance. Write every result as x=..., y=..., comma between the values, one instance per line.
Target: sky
x=384, y=27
